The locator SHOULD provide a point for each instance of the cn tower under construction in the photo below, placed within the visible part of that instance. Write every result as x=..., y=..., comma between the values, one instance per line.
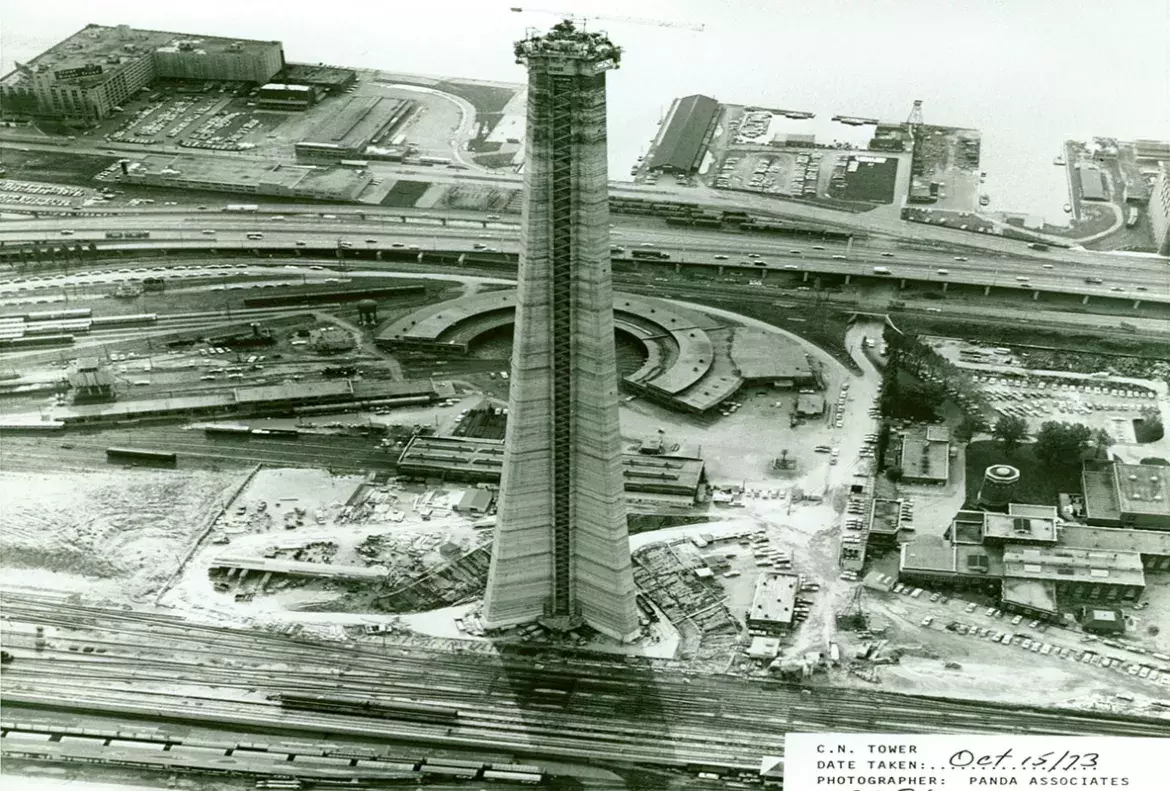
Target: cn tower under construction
x=561, y=554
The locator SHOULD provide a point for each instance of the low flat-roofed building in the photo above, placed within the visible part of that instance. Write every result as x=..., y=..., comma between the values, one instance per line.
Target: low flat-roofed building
x=285, y=96
x=1078, y=574
x=925, y=457
x=766, y=357
x=1092, y=187
x=90, y=379
x=810, y=404
x=885, y=520
x=1126, y=495
x=474, y=501
x=773, y=603
x=356, y=122
x=482, y=460
x=685, y=134
x=930, y=559
x=1102, y=620
x=1007, y=528
x=1033, y=598
x=764, y=648
x=1152, y=545
x=223, y=175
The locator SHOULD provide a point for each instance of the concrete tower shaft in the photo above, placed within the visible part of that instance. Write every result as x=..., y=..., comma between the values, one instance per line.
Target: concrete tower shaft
x=561, y=552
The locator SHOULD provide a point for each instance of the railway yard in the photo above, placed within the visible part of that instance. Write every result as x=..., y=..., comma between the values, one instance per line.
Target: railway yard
x=293, y=557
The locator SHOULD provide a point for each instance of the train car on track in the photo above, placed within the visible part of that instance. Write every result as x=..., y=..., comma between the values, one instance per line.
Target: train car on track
x=287, y=433
x=59, y=315
x=102, y=322
x=227, y=431
x=12, y=344
x=362, y=707
x=141, y=455
x=528, y=778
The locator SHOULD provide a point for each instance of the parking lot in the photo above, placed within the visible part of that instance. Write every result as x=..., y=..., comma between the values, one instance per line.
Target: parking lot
x=792, y=173
x=219, y=118
x=31, y=193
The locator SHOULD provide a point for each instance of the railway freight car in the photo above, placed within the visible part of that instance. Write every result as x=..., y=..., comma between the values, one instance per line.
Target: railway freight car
x=365, y=707
x=141, y=456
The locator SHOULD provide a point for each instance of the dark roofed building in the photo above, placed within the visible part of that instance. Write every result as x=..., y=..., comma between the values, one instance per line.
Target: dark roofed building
x=684, y=137
x=1092, y=186
x=1102, y=621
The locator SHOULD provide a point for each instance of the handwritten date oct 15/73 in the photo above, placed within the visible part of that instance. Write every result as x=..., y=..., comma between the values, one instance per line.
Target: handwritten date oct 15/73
x=1049, y=761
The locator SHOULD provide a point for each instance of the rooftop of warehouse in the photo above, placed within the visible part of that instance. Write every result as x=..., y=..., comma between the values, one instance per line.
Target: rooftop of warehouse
x=684, y=132
x=774, y=598
x=1068, y=564
x=1019, y=528
x=469, y=453
x=1114, y=539
x=218, y=171
x=353, y=121
x=1143, y=488
x=95, y=44
x=765, y=355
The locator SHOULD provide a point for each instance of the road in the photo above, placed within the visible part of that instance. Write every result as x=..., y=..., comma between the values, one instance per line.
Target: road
x=873, y=222
x=1144, y=279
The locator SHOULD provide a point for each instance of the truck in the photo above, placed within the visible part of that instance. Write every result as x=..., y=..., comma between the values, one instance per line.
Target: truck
x=242, y=207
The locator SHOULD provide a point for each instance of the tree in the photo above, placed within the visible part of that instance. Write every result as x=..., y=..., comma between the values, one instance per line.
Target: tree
x=1061, y=443
x=894, y=474
x=969, y=426
x=1011, y=430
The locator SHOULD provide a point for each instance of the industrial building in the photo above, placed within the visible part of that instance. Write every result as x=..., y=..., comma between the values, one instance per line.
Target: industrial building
x=925, y=456
x=1092, y=183
x=1036, y=563
x=1159, y=209
x=685, y=135
x=254, y=400
x=760, y=359
x=284, y=96
x=1126, y=495
x=357, y=122
x=482, y=461
x=561, y=552
x=90, y=380
x=282, y=180
x=88, y=75
x=773, y=604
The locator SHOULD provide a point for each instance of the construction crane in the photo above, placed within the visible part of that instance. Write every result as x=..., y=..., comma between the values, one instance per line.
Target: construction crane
x=914, y=121
x=628, y=19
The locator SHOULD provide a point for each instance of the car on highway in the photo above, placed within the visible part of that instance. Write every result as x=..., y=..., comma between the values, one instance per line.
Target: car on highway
x=720, y=258
x=887, y=255
x=1049, y=266
x=818, y=247
x=478, y=246
x=301, y=243
x=207, y=232
x=646, y=244
x=66, y=232
x=398, y=245
x=493, y=216
x=1022, y=278
x=1095, y=281
x=838, y=258
x=317, y=268
x=942, y=271
x=1141, y=288
x=1117, y=288
x=796, y=252
x=346, y=245
x=371, y=241
x=791, y=266
x=960, y=258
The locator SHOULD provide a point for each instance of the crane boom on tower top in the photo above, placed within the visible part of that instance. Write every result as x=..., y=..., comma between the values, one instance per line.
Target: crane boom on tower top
x=629, y=19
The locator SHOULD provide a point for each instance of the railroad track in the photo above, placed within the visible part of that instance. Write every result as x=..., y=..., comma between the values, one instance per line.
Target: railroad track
x=599, y=690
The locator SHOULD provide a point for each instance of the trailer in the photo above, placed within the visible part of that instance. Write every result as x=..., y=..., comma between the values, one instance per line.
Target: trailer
x=250, y=208
x=141, y=455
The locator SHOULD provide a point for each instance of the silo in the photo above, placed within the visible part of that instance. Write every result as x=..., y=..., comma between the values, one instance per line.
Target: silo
x=999, y=486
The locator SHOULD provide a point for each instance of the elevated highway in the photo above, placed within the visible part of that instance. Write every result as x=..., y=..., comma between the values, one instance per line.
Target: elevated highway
x=1063, y=272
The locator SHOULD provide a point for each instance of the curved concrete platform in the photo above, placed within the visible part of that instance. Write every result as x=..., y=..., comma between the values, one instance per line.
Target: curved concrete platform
x=690, y=359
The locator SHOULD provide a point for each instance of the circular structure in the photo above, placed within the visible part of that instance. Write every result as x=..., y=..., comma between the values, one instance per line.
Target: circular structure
x=999, y=486
x=682, y=367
